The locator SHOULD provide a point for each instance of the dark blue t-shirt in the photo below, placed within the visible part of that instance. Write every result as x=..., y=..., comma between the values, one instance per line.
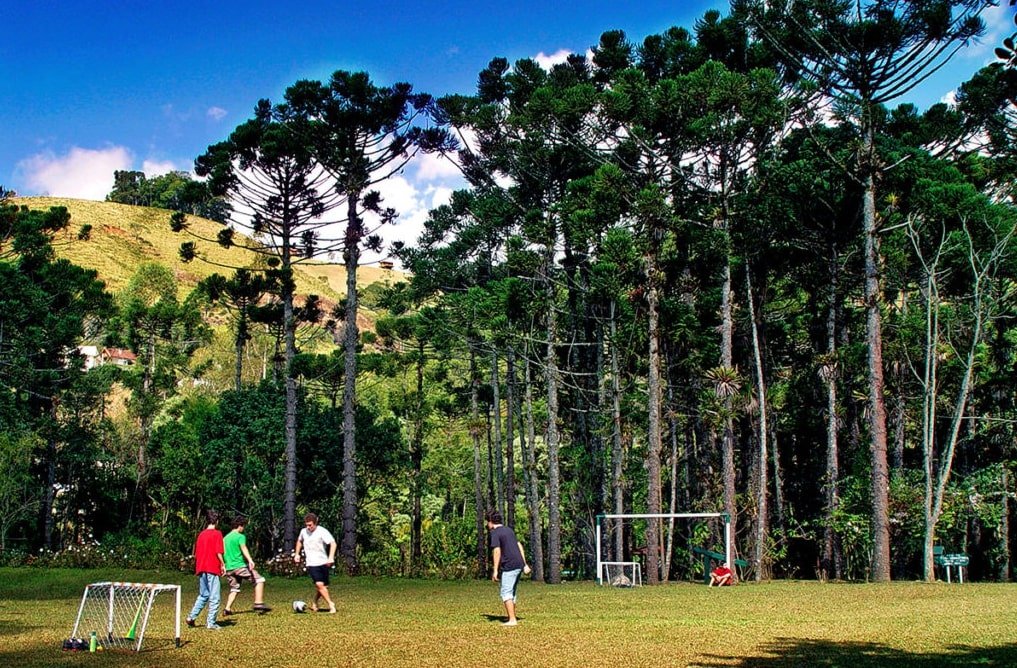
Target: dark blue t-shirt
x=511, y=557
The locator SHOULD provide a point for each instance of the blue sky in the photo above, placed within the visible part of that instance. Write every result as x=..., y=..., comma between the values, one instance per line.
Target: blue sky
x=90, y=87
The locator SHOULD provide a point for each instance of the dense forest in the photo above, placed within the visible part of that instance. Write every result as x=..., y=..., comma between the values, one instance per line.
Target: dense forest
x=722, y=269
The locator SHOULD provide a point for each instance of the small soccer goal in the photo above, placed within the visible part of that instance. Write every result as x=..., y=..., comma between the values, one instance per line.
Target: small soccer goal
x=621, y=573
x=118, y=615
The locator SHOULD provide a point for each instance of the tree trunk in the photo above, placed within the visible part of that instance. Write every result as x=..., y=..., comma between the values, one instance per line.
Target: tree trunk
x=673, y=436
x=351, y=336
x=762, y=513
x=417, y=459
x=510, y=441
x=489, y=469
x=617, y=452
x=238, y=365
x=828, y=371
x=880, y=482
x=49, y=494
x=1004, y=529
x=478, y=474
x=727, y=444
x=653, y=446
x=290, y=426
x=529, y=442
x=553, y=482
x=499, y=459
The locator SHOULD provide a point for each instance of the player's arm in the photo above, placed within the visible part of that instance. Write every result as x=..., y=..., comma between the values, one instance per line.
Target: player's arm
x=522, y=553
x=296, y=551
x=331, y=552
x=247, y=556
x=497, y=562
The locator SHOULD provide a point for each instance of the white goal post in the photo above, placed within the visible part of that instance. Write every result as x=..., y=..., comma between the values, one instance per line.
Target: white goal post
x=602, y=565
x=117, y=613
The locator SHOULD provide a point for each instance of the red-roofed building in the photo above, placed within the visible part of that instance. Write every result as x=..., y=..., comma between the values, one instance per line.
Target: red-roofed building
x=118, y=356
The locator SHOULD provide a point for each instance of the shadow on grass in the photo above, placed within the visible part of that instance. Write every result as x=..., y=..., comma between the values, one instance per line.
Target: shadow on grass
x=157, y=653
x=9, y=627
x=806, y=652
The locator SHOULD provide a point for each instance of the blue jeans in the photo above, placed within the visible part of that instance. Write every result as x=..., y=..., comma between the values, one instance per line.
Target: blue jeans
x=509, y=582
x=208, y=592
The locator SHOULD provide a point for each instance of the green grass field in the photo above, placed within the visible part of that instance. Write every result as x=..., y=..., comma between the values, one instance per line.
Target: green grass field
x=391, y=622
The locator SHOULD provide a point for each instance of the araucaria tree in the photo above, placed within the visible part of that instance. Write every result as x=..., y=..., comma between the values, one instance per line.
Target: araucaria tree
x=864, y=54
x=360, y=134
x=268, y=171
x=300, y=176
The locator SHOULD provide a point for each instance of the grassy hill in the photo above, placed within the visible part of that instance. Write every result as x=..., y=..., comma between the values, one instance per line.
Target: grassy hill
x=122, y=236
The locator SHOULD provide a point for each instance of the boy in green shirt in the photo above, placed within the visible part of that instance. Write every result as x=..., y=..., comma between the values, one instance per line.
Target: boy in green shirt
x=240, y=567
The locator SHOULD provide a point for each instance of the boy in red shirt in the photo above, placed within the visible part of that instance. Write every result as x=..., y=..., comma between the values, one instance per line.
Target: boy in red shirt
x=209, y=566
x=721, y=576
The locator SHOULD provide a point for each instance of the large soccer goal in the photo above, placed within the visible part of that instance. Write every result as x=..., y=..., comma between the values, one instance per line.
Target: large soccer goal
x=608, y=570
x=118, y=614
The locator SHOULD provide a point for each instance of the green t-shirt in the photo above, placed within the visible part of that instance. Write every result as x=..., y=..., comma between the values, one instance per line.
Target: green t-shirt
x=233, y=555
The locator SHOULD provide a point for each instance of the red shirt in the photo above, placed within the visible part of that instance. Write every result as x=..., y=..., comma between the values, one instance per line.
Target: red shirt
x=207, y=549
x=721, y=571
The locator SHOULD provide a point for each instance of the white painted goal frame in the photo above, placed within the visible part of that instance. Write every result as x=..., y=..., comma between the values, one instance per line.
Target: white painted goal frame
x=122, y=619
x=601, y=564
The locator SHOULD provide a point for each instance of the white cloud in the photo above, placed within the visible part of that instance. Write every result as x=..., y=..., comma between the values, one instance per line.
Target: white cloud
x=999, y=23
x=81, y=173
x=434, y=167
x=950, y=98
x=157, y=167
x=440, y=195
x=549, y=61
x=216, y=113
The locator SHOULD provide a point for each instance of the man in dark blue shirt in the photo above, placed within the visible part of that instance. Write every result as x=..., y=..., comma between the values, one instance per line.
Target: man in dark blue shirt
x=509, y=563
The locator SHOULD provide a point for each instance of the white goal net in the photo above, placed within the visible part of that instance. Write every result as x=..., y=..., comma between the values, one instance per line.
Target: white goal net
x=621, y=573
x=120, y=615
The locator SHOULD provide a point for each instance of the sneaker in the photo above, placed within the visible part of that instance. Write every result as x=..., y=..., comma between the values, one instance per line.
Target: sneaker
x=331, y=609
x=213, y=627
x=511, y=623
x=190, y=622
x=227, y=613
x=261, y=607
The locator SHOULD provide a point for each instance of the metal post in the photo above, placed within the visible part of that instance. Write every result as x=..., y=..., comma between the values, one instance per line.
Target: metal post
x=109, y=617
x=727, y=541
x=178, y=616
x=77, y=621
x=600, y=579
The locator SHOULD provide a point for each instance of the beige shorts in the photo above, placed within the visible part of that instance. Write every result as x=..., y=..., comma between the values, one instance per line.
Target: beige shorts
x=238, y=575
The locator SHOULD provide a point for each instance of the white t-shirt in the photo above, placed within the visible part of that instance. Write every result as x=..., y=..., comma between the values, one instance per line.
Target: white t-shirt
x=316, y=545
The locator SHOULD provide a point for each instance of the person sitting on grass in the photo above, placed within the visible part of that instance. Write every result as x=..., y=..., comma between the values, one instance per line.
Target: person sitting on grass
x=240, y=567
x=721, y=576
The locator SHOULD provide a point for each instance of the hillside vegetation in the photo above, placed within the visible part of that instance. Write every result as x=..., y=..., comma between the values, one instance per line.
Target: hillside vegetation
x=123, y=235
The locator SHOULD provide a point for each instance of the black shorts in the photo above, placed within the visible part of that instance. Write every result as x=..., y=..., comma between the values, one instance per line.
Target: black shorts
x=318, y=574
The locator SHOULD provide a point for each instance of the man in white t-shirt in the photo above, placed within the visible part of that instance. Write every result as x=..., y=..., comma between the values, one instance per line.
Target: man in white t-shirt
x=319, y=550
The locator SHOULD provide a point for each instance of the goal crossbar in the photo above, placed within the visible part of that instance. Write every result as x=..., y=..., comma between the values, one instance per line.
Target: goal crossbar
x=659, y=516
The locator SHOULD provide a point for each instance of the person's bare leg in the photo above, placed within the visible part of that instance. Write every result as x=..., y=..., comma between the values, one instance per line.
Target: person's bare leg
x=259, y=593
x=229, y=601
x=323, y=593
x=510, y=609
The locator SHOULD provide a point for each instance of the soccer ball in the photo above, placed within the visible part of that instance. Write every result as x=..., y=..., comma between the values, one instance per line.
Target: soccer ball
x=299, y=606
